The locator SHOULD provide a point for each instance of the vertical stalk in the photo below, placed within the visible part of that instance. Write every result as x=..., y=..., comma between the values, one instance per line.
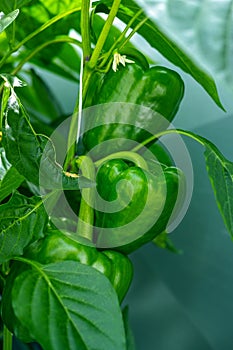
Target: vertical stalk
x=136, y=28
x=12, y=43
x=104, y=33
x=85, y=29
x=75, y=125
x=87, y=68
x=86, y=210
x=120, y=38
x=74, y=129
x=7, y=339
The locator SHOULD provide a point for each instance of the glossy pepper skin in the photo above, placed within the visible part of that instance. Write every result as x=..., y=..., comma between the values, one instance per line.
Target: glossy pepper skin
x=148, y=199
x=158, y=88
x=57, y=246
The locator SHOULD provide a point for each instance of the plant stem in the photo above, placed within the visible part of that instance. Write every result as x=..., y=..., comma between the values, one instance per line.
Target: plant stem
x=87, y=69
x=128, y=155
x=75, y=126
x=72, y=137
x=64, y=39
x=13, y=27
x=86, y=210
x=7, y=339
x=199, y=139
x=119, y=39
x=36, y=32
x=85, y=29
x=104, y=34
x=140, y=24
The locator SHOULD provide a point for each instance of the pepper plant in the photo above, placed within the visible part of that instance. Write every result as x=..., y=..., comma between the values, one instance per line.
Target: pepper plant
x=64, y=278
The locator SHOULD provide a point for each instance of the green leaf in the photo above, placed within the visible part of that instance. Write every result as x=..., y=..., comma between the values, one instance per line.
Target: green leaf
x=68, y=306
x=4, y=164
x=9, y=5
x=130, y=342
x=172, y=37
x=33, y=155
x=58, y=7
x=40, y=22
x=164, y=241
x=39, y=100
x=22, y=220
x=220, y=172
x=57, y=67
x=6, y=20
x=69, y=60
x=33, y=18
x=203, y=30
x=10, y=179
x=65, y=63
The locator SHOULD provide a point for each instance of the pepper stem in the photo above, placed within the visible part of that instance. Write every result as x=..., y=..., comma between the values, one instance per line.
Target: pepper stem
x=76, y=119
x=85, y=29
x=7, y=339
x=86, y=210
x=128, y=155
x=104, y=34
x=133, y=32
x=167, y=132
x=121, y=39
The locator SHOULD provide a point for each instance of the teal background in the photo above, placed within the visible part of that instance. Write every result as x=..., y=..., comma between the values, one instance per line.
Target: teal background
x=184, y=302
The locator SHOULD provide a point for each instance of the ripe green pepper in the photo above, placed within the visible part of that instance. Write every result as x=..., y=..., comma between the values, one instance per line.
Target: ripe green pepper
x=158, y=88
x=57, y=246
x=144, y=202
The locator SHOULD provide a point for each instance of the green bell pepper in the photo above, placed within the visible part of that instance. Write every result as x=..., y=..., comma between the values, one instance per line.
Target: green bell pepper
x=144, y=198
x=57, y=246
x=158, y=88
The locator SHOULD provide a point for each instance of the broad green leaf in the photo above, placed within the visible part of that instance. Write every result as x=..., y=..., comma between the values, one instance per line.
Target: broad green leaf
x=43, y=21
x=69, y=60
x=130, y=342
x=57, y=7
x=33, y=155
x=4, y=164
x=220, y=171
x=10, y=179
x=9, y=5
x=65, y=63
x=68, y=306
x=22, y=220
x=202, y=29
x=184, y=19
x=39, y=100
x=41, y=12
